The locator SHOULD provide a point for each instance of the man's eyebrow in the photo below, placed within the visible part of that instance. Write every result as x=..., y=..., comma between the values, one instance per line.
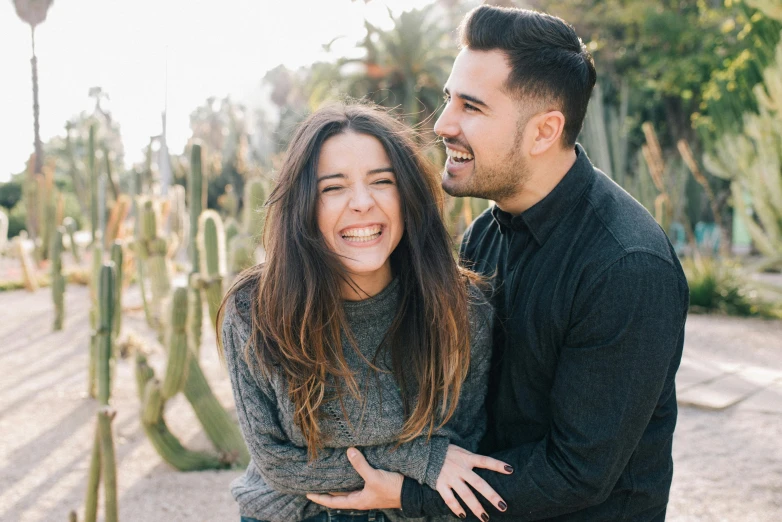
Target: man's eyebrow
x=468, y=98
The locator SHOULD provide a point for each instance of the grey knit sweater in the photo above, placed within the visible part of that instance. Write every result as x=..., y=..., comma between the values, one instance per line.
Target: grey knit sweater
x=279, y=474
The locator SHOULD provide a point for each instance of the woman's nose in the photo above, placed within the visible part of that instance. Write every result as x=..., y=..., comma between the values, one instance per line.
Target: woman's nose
x=361, y=200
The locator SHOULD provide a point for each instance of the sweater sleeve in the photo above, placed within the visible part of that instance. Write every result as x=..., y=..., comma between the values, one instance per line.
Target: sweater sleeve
x=283, y=465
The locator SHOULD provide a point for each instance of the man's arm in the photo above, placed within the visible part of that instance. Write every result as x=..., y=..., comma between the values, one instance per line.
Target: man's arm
x=621, y=346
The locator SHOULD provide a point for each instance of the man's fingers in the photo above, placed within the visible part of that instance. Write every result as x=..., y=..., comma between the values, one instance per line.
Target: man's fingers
x=451, y=502
x=461, y=489
x=482, y=461
x=336, y=502
x=360, y=464
x=483, y=487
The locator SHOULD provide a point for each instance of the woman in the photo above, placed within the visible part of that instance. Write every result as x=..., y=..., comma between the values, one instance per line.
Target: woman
x=358, y=330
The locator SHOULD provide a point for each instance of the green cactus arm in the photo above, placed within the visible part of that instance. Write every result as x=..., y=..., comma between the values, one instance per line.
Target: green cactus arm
x=254, y=210
x=106, y=299
x=178, y=353
x=197, y=193
x=93, y=480
x=109, y=463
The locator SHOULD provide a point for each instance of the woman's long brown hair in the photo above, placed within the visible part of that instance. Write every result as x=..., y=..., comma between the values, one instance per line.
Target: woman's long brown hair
x=297, y=308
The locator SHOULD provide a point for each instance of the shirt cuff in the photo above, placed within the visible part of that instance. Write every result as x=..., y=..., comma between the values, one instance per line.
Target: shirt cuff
x=412, y=499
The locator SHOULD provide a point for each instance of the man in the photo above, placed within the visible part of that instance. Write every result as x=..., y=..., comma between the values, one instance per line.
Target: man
x=590, y=296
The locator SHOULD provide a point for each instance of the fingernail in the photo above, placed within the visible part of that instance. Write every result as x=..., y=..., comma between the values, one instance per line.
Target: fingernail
x=509, y=469
x=484, y=517
x=462, y=515
x=502, y=505
x=351, y=453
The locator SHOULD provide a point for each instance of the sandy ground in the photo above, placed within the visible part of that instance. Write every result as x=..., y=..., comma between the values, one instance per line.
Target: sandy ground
x=728, y=463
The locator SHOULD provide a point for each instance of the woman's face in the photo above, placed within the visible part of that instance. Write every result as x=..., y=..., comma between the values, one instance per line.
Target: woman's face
x=359, y=210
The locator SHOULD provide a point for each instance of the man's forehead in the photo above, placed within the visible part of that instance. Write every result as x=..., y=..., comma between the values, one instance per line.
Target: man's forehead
x=478, y=73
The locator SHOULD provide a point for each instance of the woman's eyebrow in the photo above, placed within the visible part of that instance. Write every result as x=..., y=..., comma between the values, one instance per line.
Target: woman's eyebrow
x=330, y=176
x=380, y=170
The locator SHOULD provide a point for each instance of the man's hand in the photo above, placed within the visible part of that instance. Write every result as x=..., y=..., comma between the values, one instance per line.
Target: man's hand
x=382, y=489
x=457, y=473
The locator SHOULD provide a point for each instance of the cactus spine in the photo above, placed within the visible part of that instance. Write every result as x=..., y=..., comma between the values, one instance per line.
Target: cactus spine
x=211, y=247
x=58, y=281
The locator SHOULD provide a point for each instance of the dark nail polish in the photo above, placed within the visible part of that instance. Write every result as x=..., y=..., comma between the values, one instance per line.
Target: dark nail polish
x=484, y=517
x=509, y=469
x=502, y=505
x=462, y=515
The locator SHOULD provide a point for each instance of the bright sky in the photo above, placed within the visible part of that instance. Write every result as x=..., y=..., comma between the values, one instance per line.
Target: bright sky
x=214, y=48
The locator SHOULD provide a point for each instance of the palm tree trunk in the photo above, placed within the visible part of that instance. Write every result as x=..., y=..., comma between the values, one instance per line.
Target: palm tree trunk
x=36, y=126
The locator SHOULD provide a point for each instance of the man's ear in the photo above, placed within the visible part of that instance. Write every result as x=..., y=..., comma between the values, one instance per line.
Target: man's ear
x=546, y=130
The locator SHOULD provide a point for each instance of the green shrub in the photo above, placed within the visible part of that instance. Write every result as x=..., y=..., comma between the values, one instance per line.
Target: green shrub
x=719, y=287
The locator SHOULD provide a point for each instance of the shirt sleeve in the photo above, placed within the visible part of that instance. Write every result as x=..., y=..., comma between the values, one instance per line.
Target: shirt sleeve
x=621, y=350
x=283, y=465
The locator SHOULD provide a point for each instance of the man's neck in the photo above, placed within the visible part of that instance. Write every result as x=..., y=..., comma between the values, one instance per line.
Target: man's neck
x=544, y=176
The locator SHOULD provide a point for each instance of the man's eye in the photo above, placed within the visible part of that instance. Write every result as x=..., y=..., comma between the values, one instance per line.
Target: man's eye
x=469, y=107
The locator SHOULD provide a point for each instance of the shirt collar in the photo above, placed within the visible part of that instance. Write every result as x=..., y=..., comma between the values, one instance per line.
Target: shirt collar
x=542, y=218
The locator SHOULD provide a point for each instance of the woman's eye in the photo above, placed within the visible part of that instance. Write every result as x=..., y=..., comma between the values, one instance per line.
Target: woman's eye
x=384, y=182
x=333, y=188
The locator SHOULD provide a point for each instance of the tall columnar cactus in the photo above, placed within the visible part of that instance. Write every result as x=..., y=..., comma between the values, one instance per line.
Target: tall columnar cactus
x=241, y=254
x=211, y=246
x=197, y=199
x=107, y=302
x=177, y=220
x=117, y=257
x=95, y=274
x=47, y=207
x=93, y=174
x=178, y=353
x=119, y=212
x=254, y=210
x=103, y=468
x=28, y=270
x=58, y=281
x=152, y=251
x=70, y=227
x=229, y=202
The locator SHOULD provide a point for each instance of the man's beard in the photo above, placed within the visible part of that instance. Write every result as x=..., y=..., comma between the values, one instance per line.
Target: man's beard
x=498, y=183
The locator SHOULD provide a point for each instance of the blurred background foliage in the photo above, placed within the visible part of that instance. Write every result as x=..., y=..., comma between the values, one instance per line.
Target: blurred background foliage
x=685, y=117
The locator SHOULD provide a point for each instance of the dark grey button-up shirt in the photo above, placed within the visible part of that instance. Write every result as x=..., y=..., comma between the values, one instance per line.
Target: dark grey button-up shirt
x=591, y=303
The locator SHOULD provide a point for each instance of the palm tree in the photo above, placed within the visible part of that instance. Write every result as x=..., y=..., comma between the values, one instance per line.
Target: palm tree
x=405, y=67
x=33, y=12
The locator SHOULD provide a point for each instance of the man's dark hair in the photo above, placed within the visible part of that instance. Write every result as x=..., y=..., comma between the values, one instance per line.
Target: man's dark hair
x=548, y=60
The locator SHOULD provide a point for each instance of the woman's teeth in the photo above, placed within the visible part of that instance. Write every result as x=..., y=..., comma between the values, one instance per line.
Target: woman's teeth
x=457, y=155
x=362, y=235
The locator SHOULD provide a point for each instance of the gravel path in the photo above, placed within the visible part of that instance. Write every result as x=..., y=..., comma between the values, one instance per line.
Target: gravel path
x=728, y=463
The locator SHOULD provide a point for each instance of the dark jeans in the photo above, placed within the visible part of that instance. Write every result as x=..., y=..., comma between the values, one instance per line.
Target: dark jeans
x=339, y=515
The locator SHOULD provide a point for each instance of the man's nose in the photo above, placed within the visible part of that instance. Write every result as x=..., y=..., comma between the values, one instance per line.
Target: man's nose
x=445, y=125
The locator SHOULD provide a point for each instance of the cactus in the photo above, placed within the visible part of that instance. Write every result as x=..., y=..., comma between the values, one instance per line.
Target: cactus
x=93, y=481
x=119, y=212
x=211, y=246
x=58, y=281
x=177, y=224
x=231, y=230
x=108, y=463
x=97, y=264
x=70, y=227
x=151, y=251
x=197, y=203
x=47, y=206
x=254, y=210
x=241, y=254
x=217, y=423
x=93, y=174
x=229, y=202
x=118, y=258
x=28, y=271
x=107, y=300
x=178, y=353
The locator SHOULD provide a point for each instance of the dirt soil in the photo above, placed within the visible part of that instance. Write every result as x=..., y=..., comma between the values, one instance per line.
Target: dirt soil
x=728, y=463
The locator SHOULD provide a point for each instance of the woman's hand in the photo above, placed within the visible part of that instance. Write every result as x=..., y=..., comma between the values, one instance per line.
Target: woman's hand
x=457, y=473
